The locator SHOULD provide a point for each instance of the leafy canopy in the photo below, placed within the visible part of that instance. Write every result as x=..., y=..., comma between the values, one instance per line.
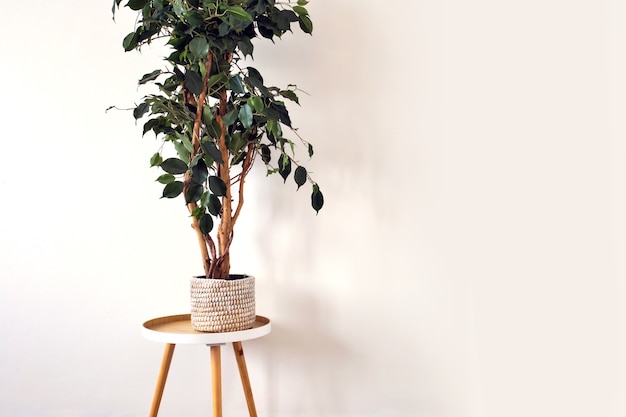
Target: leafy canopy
x=214, y=110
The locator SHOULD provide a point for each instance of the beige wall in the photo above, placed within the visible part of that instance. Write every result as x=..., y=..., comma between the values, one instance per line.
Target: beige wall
x=468, y=262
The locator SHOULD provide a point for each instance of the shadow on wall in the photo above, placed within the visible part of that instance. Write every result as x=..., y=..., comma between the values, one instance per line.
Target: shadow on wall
x=309, y=261
x=303, y=360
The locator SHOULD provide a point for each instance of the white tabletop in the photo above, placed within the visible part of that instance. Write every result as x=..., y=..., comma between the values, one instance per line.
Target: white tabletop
x=177, y=329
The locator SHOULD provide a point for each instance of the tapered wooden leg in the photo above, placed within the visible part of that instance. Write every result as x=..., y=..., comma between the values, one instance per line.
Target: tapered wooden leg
x=216, y=380
x=160, y=386
x=245, y=380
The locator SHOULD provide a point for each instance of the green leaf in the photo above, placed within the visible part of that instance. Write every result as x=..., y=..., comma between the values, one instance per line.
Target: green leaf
x=193, y=81
x=130, y=41
x=195, y=19
x=245, y=46
x=204, y=200
x=150, y=77
x=266, y=154
x=305, y=24
x=284, y=166
x=300, y=176
x=317, y=199
x=215, y=205
x=300, y=10
x=274, y=128
x=199, y=173
x=291, y=95
x=236, y=85
x=302, y=2
x=166, y=178
x=207, y=115
x=206, y=224
x=136, y=4
x=173, y=189
x=181, y=150
x=140, y=110
x=215, y=79
x=217, y=186
x=194, y=192
x=256, y=103
x=239, y=13
x=245, y=116
x=230, y=117
x=211, y=149
x=310, y=150
x=254, y=73
x=199, y=47
x=174, y=166
x=156, y=160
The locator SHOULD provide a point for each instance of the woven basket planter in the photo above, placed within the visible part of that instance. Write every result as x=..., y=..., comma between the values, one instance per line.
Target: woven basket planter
x=220, y=305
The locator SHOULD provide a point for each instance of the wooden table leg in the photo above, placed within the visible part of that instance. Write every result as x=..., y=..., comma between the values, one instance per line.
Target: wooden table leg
x=216, y=380
x=160, y=386
x=245, y=380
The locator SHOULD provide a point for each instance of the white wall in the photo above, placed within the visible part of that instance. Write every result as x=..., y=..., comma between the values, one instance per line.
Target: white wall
x=469, y=261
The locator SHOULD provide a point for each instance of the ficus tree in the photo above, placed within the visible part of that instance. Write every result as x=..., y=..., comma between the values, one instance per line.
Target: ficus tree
x=215, y=111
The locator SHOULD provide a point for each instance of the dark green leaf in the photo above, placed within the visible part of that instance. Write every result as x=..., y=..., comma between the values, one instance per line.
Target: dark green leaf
x=210, y=149
x=266, y=154
x=213, y=130
x=136, y=4
x=283, y=114
x=310, y=150
x=193, y=81
x=149, y=77
x=217, y=186
x=317, y=199
x=223, y=29
x=130, y=41
x=245, y=116
x=174, y=166
x=195, y=19
x=215, y=205
x=230, y=117
x=300, y=176
x=140, y=110
x=291, y=95
x=246, y=47
x=282, y=21
x=254, y=73
x=254, y=82
x=173, y=189
x=236, y=85
x=199, y=173
x=206, y=224
x=166, y=178
x=199, y=47
x=194, y=192
x=284, y=166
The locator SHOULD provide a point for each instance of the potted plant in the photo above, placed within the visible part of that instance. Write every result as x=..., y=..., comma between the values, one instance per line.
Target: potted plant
x=217, y=117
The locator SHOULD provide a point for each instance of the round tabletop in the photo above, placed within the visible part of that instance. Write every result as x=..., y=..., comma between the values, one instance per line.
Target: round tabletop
x=177, y=329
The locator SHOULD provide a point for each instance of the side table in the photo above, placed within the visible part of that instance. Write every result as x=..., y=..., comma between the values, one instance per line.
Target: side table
x=173, y=330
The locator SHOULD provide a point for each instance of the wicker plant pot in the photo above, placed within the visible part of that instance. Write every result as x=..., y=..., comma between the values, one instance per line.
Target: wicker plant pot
x=220, y=305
